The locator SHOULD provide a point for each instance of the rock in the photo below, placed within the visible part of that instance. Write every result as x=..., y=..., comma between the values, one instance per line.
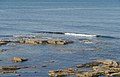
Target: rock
x=91, y=64
x=108, y=62
x=58, y=42
x=18, y=59
x=4, y=42
x=53, y=41
x=115, y=74
x=60, y=73
x=7, y=71
x=28, y=41
x=71, y=69
x=32, y=41
x=17, y=74
x=12, y=69
x=9, y=68
x=107, y=68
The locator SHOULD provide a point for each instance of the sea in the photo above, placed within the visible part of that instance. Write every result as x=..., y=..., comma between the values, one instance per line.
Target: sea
x=93, y=25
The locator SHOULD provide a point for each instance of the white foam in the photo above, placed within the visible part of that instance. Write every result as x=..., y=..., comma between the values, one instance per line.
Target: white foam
x=81, y=35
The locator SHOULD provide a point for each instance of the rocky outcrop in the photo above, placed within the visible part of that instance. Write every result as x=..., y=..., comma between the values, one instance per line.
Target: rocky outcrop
x=12, y=69
x=51, y=41
x=32, y=41
x=99, y=68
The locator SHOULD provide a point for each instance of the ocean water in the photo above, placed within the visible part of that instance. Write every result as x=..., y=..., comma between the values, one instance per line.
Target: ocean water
x=31, y=17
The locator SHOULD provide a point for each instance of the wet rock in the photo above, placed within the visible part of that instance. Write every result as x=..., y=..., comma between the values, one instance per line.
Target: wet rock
x=4, y=42
x=98, y=62
x=28, y=41
x=99, y=68
x=58, y=42
x=9, y=68
x=7, y=71
x=108, y=62
x=12, y=69
x=17, y=74
x=15, y=59
x=91, y=64
x=59, y=73
x=54, y=42
x=19, y=59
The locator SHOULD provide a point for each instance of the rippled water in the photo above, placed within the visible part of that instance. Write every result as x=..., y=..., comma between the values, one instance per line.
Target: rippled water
x=29, y=17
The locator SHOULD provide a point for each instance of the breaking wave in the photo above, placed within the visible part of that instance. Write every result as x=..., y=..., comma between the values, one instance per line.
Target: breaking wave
x=88, y=35
x=81, y=35
x=77, y=34
x=66, y=33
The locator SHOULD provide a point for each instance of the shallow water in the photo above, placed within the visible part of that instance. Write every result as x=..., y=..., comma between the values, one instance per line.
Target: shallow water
x=27, y=17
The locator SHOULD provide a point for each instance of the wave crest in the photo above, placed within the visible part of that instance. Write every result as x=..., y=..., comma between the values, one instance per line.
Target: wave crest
x=81, y=35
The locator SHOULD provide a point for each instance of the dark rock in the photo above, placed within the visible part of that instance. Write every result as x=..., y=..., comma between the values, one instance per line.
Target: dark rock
x=44, y=65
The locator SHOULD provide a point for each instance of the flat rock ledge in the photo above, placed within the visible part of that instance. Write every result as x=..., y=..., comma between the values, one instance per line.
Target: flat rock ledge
x=32, y=41
x=52, y=41
x=4, y=42
x=12, y=69
x=106, y=68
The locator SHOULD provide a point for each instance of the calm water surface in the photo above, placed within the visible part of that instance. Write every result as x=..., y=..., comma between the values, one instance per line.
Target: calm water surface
x=95, y=17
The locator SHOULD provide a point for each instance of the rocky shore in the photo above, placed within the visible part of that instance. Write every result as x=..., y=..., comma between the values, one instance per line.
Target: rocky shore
x=106, y=68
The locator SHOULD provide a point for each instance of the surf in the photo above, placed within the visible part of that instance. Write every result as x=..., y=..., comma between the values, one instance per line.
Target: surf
x=76, y=34
x=81, y=35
